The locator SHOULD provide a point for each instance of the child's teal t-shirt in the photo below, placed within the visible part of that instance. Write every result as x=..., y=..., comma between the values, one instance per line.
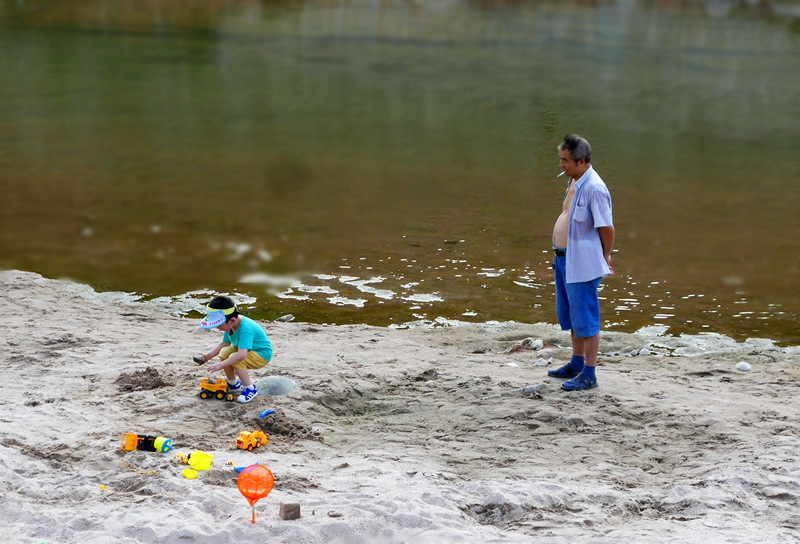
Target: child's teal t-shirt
x=250, y=336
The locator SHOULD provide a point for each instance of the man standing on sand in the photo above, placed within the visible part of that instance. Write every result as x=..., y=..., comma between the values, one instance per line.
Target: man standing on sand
x=583, y=238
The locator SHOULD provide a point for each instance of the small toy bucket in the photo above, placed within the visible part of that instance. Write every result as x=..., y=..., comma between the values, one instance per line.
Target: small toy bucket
x=200, y=460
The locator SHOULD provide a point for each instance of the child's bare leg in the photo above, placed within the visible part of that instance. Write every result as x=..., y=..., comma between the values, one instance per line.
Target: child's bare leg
x=229, y=370
x=244, y=375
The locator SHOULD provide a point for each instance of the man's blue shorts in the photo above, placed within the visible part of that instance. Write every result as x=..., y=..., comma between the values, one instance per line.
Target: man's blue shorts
x=577, y=306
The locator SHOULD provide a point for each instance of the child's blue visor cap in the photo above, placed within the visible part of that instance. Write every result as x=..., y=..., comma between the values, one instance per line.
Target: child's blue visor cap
x=213, y=320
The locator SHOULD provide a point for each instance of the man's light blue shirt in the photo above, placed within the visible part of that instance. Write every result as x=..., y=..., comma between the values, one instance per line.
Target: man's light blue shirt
x=591, y=209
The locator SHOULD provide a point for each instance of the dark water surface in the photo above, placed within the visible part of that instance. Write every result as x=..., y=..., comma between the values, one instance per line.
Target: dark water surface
x=394, y=162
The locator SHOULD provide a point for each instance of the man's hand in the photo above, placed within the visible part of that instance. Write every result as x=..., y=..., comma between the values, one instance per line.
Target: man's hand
x=608, y=260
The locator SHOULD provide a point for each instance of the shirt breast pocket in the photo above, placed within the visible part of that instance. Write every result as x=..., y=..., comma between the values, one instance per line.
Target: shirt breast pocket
x=581, y=214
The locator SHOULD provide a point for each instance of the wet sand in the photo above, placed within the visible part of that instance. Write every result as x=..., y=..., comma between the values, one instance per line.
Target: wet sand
x=391, y=435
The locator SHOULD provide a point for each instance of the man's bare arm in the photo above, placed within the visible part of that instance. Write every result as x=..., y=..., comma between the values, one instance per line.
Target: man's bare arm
x=607, y=239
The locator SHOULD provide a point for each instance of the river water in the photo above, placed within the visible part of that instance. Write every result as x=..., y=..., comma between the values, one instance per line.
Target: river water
x=394, y=162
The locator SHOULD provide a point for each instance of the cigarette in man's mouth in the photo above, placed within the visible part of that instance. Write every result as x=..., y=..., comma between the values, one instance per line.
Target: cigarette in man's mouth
x=561, y=174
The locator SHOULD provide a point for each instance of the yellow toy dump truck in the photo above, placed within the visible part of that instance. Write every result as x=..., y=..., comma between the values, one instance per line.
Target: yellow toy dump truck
x=215, y=388
x=248, y=440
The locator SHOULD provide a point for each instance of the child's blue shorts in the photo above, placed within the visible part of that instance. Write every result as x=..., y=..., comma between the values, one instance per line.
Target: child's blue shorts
x=577, y=306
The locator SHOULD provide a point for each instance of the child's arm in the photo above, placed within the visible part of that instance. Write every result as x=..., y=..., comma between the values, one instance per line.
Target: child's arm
x=232, y=360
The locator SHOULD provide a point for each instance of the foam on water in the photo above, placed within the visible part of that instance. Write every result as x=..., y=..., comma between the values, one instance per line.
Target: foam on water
x=342, y=301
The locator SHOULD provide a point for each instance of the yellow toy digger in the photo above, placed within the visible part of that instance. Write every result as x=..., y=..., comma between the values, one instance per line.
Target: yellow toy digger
x=248, y=440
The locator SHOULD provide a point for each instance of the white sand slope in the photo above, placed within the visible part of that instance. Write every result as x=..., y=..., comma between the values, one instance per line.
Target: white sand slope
x=389, y=434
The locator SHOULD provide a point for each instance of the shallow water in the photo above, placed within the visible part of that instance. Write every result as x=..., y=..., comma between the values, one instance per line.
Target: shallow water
x=391, y=162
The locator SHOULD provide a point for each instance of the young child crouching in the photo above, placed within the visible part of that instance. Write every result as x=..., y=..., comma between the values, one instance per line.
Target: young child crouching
x=244, y=346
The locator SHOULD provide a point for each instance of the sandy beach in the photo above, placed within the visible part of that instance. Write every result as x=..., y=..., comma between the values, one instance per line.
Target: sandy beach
x=414, y=436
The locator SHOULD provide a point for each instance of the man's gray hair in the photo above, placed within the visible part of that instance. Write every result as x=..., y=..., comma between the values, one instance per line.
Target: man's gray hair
x=578, y=147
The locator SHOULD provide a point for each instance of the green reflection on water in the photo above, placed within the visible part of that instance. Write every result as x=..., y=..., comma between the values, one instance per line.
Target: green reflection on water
x=166, y=149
